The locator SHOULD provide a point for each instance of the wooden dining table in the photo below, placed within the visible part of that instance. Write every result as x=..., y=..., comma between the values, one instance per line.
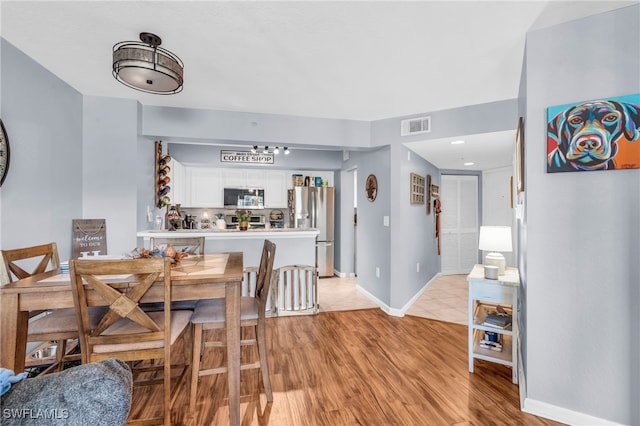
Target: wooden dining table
x=208, y=276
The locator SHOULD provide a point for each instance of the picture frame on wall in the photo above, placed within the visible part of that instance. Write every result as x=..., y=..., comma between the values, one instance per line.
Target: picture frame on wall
x=520, y=156
x=417, y=188
x=594, y=135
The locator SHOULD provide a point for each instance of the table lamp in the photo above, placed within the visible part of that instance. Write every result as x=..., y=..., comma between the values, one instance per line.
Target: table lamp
x=495, y=239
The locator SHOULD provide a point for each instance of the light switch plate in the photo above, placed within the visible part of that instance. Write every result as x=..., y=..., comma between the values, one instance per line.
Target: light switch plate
x=385, y=220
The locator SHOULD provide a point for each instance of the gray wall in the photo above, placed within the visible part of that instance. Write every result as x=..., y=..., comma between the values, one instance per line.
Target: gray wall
x=582, y=233
x=43, y=190
x=298, y=159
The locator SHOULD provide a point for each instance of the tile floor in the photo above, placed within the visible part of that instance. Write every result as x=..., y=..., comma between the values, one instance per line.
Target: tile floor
x=445, y=299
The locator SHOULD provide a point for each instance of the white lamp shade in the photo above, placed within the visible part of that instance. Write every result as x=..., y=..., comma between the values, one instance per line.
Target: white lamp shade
x=495, y=238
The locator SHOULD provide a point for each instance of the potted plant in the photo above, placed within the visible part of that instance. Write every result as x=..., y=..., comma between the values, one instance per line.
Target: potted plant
x=243, y=219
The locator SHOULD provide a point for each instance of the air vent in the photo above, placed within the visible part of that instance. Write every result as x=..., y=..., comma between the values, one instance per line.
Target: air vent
x=414, y=126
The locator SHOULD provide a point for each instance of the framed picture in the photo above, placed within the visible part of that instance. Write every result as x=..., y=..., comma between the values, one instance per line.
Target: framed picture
x=520, y=155
x=593, y=135
x=417, y=189
x=371, y=188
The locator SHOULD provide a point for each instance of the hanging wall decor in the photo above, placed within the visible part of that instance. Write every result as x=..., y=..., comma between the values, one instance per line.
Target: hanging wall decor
x=601, y=134
x=162, y=179
x=371, y=188
x=417, y=189
x=428, y=194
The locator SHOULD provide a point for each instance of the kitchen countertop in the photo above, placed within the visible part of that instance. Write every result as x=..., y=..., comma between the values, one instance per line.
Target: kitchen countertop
x=232, y=233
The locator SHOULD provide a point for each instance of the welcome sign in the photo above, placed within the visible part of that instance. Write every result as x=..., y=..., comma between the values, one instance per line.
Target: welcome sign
x=89, y=237
x=245, y=157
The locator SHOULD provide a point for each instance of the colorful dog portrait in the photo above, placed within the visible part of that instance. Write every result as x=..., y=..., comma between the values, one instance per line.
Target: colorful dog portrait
x=602, y=134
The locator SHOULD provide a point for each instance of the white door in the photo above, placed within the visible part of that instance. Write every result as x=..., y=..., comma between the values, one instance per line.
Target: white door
x=458, y=223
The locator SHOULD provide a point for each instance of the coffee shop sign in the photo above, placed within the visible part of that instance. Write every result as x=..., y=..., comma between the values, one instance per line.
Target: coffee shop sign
x=245, y=157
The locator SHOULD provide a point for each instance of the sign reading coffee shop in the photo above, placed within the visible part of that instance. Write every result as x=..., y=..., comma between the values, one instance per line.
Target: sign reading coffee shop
x=245, y=157
x=89, y=237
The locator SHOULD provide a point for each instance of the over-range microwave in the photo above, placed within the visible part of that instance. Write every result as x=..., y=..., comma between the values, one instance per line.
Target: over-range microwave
x=243, y=198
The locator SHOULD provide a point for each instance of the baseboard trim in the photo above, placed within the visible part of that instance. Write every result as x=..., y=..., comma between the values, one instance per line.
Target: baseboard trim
x=386, y=308
x=562, y=415
x=405, y=308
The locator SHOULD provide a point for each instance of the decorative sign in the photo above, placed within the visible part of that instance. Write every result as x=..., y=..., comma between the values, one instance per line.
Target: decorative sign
x=417, y=189
x=89, y=237
x=245, y=157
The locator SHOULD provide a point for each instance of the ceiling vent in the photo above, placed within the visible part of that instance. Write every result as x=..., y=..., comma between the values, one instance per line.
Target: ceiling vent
x=414, y=126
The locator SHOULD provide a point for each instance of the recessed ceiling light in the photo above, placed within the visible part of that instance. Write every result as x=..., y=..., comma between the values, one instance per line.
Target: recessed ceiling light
x=456, y=142
x=469, y=163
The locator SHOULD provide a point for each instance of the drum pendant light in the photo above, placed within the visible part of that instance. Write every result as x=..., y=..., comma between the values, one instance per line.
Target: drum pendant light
x=147, y=67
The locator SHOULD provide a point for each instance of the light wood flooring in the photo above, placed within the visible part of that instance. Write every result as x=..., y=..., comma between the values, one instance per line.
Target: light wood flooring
x=360, y=367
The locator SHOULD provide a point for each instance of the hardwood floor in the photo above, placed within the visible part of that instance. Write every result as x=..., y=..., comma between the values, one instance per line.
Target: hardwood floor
x=361, y=367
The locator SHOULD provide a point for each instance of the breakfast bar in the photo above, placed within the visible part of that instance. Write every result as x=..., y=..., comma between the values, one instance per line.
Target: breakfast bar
x=296, y=246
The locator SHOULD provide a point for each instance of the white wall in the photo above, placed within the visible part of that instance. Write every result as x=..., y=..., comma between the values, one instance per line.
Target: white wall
x=582, y=232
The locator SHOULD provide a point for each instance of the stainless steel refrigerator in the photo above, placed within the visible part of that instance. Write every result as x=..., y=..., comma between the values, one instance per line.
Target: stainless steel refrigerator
x=313, y=207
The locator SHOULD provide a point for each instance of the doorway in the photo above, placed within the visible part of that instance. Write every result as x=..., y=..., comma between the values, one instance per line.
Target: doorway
x=459, y=223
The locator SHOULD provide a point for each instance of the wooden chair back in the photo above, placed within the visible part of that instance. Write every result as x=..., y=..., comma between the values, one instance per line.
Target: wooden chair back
x=44, y=257
x=120, y=285
x=297, y=289
x=191, y=245
x=265, y=272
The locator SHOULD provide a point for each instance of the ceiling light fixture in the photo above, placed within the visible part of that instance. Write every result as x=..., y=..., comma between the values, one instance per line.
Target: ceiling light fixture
x=147, y=67
x=458, y=142
x=265, y=150
x=469, y=163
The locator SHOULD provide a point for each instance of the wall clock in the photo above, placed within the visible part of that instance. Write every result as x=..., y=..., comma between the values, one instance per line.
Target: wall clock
x=4, y=153
x=371, y=187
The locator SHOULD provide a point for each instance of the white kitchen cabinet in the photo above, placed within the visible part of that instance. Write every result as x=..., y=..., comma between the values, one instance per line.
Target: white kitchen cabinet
x=485, y=295
x=255, y=178
x=233, y=178
x=178, y=183
x=275, y=189
x=205, y=188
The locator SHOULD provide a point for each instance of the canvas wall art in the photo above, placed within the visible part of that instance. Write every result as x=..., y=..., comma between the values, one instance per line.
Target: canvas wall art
x=601, y=134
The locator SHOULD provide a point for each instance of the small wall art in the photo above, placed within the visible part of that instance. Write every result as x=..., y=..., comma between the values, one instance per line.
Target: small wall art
x=417, y=189
x=601, y=134
x=371, y=188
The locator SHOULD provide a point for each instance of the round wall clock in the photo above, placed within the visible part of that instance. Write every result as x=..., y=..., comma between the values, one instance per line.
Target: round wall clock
x=371, y=187
x=4, y=153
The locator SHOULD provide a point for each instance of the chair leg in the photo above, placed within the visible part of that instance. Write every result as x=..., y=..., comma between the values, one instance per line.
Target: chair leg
x=166, y=381
x=61, y=353
x=195, y=365
x=261, y=338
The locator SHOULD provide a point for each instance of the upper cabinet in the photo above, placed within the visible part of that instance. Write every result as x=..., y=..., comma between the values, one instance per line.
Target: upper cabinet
x=275, y=189
x=205, y=188
x=178, y=176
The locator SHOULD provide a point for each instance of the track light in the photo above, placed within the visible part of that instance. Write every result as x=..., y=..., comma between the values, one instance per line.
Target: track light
x=265, y=150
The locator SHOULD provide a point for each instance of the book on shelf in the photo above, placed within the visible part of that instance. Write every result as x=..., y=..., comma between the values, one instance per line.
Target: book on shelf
x=499, y=318
x=494, y=325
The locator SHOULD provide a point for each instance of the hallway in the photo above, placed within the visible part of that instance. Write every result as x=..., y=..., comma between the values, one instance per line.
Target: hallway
x=445, y=299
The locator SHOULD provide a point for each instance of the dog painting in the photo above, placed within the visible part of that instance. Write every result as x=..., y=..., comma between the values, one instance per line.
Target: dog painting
x=602, y=134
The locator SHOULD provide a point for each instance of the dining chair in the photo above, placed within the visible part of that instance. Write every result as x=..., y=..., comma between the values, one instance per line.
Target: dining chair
x=296, y=289
x=57, y=325
x=189, y=245
x=210, y=314
x=125, y=331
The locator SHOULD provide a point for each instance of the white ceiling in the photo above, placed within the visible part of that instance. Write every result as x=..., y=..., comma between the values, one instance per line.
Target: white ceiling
x=358, y=60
